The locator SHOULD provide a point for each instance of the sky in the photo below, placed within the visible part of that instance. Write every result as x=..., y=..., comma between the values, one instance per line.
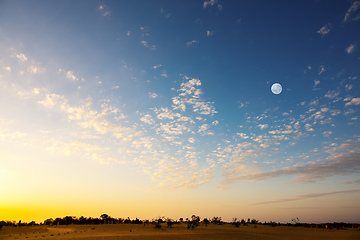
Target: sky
x=164, y=108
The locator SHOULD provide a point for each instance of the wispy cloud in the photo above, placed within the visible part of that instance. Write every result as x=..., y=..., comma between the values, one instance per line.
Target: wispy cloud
x=157, y=66
x=209, y=33
x=316, y=83
x=69, y=74
x=338, y=164
x=309, y=196
x=165, y=13
x=325, y=29
x=104, y=10
x=145, y=34
x=357, y=181
x=348, y=87
x=147, y=119
x=153, y=95
x=190, y=43
x=353, y=8
x=209, y=3
x=332, y=94
x=351, y=48
x=190, y=95
x=263, y=126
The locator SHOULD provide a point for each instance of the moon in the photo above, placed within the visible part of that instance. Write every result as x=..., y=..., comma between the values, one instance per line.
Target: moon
x=276, y=88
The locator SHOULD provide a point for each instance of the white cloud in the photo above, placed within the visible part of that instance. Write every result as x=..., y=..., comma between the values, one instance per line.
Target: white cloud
x=308, y=127
x=354, y=101
x=354, y=7
x=71, y=76
x=165, y=13
x=157, y=66
x=164, y=74
x=104, y=10
x=216, y=122
x=190, y=43
x=209, y=3
x=325, y=29
x=332, y=94
x=316, y=82
x=147, y=119
x=173, y=129
x=351, y=48
x=34, y=69
x=209, y=33
x=21, y=57
x=327, y=133
x=263, y=126
x=165, y=113
x=144, y=43
x=348, y=87
x=243, y=135
x=203, y=128
x=190, y=95
x=7, y=68
x=153, y=95
x=322, y=69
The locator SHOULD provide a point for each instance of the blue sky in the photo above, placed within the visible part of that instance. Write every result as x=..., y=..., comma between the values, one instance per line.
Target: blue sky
x=172, y=98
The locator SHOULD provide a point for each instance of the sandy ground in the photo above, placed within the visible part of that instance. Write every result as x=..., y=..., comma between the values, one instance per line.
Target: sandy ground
x=179, y=231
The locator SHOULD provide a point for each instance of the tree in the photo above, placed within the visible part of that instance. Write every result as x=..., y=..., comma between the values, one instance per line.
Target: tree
x=216, y=220
x=206, y=221
x=169, y=222
x=236, y=223
x=48, y=221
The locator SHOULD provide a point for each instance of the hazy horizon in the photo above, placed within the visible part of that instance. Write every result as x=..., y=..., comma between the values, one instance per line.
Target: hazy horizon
x=164, y=108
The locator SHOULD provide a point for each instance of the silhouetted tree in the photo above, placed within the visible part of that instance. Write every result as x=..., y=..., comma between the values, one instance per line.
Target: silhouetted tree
x=216, y=220
x=235, y=222
x=206, y=221
x=158, y=222
x=136, y=221
x=127, y=220
x=48, y=221
x=296, y=221
x=169, y=222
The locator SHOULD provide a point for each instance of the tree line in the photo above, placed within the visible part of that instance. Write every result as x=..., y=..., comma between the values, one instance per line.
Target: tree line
x=192, y=222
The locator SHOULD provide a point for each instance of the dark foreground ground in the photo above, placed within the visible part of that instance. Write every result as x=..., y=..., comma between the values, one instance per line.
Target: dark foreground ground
x=178, y=231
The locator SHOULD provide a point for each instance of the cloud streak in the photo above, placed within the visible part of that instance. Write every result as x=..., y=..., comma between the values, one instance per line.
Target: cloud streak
x=338, y=164
x=324, y=30
x=309, y=196
x=353, y=8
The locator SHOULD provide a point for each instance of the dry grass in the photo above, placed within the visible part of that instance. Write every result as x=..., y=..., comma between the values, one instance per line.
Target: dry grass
x=177, y=232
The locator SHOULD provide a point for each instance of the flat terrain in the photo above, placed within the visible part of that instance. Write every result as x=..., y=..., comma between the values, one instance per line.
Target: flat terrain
x=178, y=231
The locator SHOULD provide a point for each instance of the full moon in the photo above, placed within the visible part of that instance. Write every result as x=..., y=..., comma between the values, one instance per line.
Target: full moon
x=276, y=88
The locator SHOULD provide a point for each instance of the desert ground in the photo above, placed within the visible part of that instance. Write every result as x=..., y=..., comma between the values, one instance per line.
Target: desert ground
x=178, y=231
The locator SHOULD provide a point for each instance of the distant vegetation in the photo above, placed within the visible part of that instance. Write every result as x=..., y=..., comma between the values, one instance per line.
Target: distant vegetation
x=192, y=222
